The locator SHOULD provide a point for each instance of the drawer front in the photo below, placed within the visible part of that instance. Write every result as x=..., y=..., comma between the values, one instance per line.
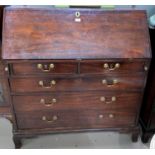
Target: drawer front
x=111, y=66
x=78, y=100
x=45, y=68
x=48, y=84
x=74, y=119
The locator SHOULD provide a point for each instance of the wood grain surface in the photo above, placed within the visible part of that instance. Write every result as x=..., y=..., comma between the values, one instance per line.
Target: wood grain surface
x=30, y=84
x=67, y=119
x=77, y=100
x=78, y=51
x=31, y=33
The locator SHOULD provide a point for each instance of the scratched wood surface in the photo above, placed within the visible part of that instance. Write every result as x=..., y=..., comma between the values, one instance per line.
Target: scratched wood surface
x=33, y=33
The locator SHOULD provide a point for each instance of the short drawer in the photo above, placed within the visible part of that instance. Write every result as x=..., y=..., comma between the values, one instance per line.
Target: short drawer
x=74, y=119
x=51, y=67
x=48, y=84
x=113, y=66
x=78, y=100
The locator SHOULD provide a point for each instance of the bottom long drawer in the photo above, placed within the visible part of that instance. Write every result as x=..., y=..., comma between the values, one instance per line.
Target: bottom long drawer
x=74, y=119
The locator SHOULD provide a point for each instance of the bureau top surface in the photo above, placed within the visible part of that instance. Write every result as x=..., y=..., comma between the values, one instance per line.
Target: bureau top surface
x=35, y=33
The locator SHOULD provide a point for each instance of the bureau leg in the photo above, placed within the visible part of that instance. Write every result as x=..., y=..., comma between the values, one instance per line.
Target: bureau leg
x=17, y=142
x=145, y=137
x=135, y=136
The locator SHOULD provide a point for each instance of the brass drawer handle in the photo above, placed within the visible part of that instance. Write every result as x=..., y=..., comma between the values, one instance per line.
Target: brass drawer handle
x=41, y=67
x=111, y=116
x=100, y=116
x=54, y=118
x=42, y=101
x=110, y=83
x=41, y=83
x=111, y=66
x=103, y=99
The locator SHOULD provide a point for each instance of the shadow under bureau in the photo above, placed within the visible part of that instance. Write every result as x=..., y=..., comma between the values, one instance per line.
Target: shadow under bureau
x=74, y=69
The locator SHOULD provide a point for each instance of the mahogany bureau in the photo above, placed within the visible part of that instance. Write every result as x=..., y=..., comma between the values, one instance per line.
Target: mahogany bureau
x=72, y=70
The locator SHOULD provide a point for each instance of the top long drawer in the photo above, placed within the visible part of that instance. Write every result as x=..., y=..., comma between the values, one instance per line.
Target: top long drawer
x=50, y=84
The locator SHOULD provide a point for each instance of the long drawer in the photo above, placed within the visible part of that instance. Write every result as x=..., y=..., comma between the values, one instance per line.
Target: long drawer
x=77, y=100
x=48, y=84
x=74, y=119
